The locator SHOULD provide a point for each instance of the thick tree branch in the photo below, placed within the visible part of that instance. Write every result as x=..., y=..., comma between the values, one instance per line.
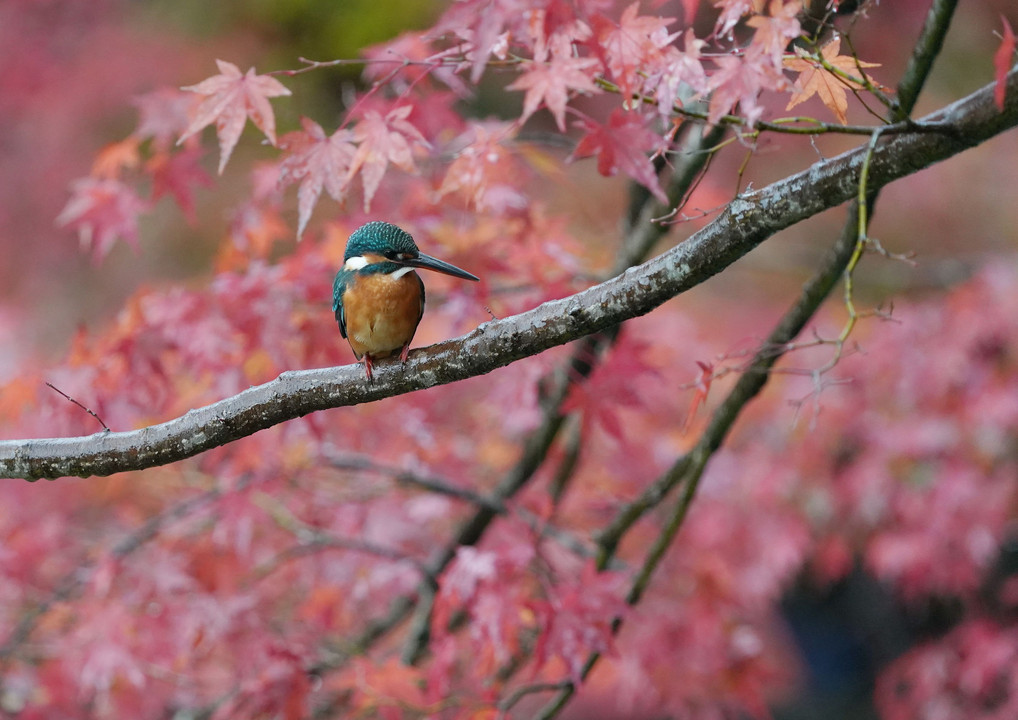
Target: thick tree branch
x=744, y=224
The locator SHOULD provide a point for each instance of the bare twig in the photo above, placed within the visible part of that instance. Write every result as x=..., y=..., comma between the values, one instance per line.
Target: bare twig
x=53, y=387
x=312, y=539
x=404, y=477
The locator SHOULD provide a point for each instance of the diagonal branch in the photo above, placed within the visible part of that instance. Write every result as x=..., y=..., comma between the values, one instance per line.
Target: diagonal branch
x=926, y=50
x=688, y=469
x=745, y=223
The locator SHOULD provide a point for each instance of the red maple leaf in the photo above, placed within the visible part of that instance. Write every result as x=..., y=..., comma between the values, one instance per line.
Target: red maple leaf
x=102, y=211
x=611, y=389
x=578, y=619
x=1002, y=63
x=701, y=389
x=551, y=81
x=318, y=161
x=622, y=144
x=232, y=98
x=176, y=174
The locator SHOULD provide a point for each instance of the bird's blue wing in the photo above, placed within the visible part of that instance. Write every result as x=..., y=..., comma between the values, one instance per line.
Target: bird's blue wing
x=338, y=288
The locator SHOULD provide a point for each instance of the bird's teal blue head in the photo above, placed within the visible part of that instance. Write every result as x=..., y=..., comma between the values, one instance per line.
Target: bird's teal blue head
x=381, y=247
x=381, y=238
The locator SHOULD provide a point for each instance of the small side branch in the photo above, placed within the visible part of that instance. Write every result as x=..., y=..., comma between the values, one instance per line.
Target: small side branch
x=57, y=390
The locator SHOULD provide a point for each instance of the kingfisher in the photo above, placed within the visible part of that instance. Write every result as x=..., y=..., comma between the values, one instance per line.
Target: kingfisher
x=377, y=296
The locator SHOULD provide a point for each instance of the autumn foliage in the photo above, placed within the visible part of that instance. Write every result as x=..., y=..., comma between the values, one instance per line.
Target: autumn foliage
x=443, y=553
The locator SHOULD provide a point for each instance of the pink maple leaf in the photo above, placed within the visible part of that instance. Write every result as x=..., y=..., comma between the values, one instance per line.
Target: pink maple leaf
x=773, y=32
x=482, y=25
x=1002, y=63
x=634, y=43
x=421, y=61
x=484, y=172
x=731, y=12
x=102, y=211
x=551, y=81
x=384, y=139
x=318, y=161
x=232, y=98
x=163, y=115
x=679, y=71
x=739, y=81
x=622, y=144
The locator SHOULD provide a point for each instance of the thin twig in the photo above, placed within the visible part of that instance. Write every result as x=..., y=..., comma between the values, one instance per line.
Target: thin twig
x=506, y=703
x=405, y=477
x=51, y=386
x=313, y=539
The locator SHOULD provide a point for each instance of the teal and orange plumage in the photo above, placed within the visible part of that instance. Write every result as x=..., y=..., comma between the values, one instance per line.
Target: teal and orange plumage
x=377, y=296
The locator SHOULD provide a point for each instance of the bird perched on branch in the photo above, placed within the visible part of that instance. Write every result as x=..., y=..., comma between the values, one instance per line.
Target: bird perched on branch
x=377, y=297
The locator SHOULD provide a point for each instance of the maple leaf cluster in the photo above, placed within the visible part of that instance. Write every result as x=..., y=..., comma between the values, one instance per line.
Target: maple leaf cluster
x=370, y=561
x=561, y=53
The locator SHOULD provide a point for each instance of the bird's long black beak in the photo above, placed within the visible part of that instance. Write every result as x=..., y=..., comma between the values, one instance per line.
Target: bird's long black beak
x=429, y=263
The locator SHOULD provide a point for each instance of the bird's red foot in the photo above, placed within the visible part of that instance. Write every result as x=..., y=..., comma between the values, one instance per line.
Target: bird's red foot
x=403, y=353
x=367, y=367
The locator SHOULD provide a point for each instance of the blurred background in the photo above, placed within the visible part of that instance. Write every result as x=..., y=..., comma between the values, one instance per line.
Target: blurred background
x=70, y=69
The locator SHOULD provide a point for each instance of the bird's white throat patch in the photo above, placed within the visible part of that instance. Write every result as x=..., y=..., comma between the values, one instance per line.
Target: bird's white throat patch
x=359, y=262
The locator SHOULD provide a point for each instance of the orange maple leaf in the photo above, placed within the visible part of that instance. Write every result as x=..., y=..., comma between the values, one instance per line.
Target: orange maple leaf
x=115, y=157
x=815, y=79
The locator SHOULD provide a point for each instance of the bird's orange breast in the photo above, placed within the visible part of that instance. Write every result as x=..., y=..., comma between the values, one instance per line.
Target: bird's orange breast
x=382, y=313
